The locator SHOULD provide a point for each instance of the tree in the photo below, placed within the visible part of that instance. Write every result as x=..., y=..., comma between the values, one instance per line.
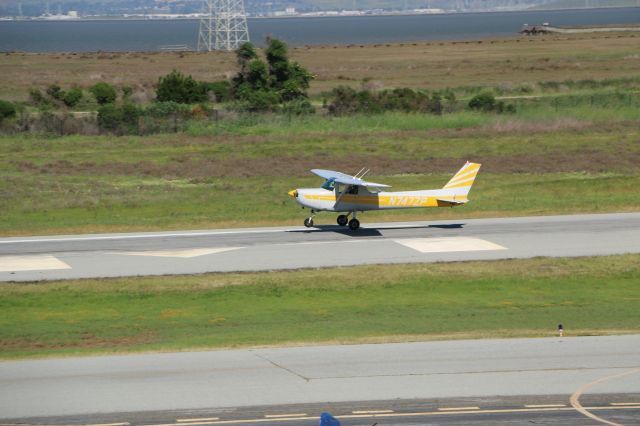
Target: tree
x=277, y=81
x=179, y=88
x=278, y=61
x=297, y=84
x=104, y=93
x=245, y=54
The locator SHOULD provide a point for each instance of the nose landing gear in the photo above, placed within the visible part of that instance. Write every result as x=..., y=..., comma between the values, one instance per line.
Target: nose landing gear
x=354, y=224
x=308, y=222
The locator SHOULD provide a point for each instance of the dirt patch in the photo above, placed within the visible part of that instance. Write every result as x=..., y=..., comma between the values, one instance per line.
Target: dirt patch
x=621, y=160
x=86, y=340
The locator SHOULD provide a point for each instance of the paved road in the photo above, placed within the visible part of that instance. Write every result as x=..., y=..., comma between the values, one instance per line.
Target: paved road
x=526, y=410
x=202, y=384
x=109, y=255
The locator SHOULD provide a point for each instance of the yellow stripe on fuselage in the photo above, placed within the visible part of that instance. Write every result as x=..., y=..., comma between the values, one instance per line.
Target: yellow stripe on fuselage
x=384, y=201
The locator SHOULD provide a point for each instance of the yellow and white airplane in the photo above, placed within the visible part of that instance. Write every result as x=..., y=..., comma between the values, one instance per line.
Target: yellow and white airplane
x=343, y=193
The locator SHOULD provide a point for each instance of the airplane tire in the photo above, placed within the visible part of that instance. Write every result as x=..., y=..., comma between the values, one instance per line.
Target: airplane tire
x=354, y=224
x=342, y=220
x=308, y=222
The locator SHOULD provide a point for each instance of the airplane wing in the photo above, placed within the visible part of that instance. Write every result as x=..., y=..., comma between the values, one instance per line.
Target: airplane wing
x=346, y=179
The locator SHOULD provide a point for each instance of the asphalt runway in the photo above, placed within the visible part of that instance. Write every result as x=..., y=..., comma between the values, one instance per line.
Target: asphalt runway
x=256, y=249
x=403, y=383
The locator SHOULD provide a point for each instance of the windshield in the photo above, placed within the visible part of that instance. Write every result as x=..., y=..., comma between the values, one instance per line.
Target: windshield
x=329, y=184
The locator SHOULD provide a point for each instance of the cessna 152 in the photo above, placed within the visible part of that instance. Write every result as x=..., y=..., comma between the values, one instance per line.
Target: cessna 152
x=343, y=193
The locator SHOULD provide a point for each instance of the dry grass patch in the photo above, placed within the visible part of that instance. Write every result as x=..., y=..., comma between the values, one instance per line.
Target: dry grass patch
x=433, y=65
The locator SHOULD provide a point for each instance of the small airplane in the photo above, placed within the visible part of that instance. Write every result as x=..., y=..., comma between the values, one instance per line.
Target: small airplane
x=350, y=194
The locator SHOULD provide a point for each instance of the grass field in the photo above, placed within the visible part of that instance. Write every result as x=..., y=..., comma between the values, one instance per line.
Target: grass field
x=89, y=184
x=573, y=146
x=356, y=304
x=506, y=63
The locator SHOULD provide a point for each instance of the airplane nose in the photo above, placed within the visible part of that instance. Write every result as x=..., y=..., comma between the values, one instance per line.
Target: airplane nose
x=293, y=193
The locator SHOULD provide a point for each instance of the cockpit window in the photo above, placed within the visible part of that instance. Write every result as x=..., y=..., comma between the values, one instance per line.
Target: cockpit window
x=329, y=184
x=353, y=189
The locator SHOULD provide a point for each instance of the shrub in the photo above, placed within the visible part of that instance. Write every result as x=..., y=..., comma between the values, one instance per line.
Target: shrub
x=72, y=97
x=298, y=107
x=37, y=98
x=348, y=101
x=220, y=89
x=126, y=92
x=484, y=101
x=164, y=109
x=104, y=93
x=55, y=92
x=258, y=100
x=7, y=109
x=123, y=119
x=179, y=88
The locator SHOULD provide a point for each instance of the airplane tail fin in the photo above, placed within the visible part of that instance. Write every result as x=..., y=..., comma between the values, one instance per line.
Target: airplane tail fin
x=460, y=183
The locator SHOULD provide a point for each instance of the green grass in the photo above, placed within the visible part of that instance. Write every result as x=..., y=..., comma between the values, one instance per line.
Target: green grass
x=373, y=303
x=284, y=125
x=155, y=204
x=102, y=183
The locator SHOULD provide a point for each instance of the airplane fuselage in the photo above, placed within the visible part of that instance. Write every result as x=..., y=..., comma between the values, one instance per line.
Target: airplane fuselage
x=320, y=199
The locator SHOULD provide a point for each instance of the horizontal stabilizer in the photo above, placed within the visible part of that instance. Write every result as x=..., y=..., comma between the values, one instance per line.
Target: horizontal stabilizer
x=454, y=200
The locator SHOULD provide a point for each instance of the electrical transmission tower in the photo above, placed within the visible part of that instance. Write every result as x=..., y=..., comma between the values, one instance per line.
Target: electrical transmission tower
x=224, y=26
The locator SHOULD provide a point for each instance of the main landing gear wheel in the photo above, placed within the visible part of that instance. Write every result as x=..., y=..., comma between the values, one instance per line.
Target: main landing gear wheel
x=354, y=224
x=342, y=220
x=308, y=222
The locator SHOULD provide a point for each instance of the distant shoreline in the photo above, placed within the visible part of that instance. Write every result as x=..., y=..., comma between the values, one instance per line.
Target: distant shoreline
x=287, y=17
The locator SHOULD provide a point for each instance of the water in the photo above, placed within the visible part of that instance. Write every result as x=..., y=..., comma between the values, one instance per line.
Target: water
x=113, y=35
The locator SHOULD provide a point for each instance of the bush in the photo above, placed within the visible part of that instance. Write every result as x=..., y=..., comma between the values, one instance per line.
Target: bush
x=37, y=98
x=55, y=92
x=484, y=101
x=104, y=93
x=126, y=92
x=116, y=119
x=220, y=89
x=298, y=107
x=348, y=101
x=7, y=110
x=258, y=100
x=72, y=97
x=177, y=87
x=165, y=109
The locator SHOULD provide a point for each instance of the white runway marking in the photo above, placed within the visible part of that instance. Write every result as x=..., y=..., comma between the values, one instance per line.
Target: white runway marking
x=458, y=408
x=31, y=263
x=186, y=254
x=450, y=244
